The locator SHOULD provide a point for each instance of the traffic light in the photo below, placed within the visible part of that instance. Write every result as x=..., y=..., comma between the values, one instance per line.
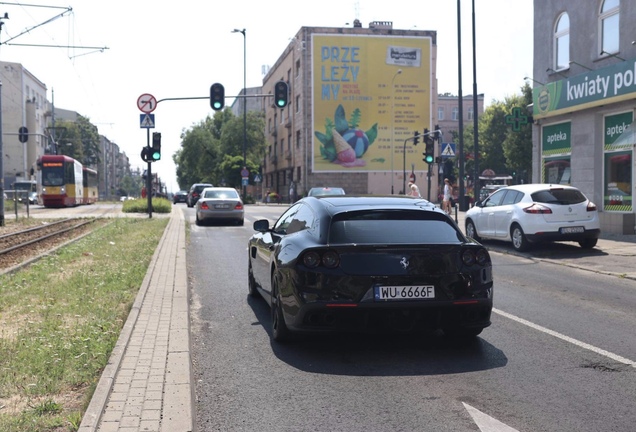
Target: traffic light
x=416, y=137
x=217, y=96
x=429, y=151
x=438, y=133
x=145, y=154
x=23, y=134
x=155, y=154
x=281, y=92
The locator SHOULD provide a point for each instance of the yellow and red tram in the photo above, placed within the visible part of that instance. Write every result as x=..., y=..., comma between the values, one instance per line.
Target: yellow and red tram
x=66, y=182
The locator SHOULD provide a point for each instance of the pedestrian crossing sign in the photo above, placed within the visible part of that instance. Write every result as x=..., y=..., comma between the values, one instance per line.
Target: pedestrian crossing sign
x=147, y=121
x=448, y=149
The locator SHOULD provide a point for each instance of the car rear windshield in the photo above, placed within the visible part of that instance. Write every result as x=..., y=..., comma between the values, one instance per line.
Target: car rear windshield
x=394, y=227
x=221, y=194
x=559, y=196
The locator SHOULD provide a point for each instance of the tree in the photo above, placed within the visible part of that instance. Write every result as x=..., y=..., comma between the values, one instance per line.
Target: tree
x=517, y=146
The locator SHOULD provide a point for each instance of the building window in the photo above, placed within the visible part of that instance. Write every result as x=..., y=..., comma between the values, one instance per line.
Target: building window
x=455, y=114
x=298, y=139
x=608, y=26
x=297, y=104
x=440, y=113
x=297, y=68
x=562, y=42
x=471, y=113
x=282, y=145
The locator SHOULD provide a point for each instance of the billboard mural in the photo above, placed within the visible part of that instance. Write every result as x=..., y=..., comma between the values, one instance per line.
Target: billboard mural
x=370, y=94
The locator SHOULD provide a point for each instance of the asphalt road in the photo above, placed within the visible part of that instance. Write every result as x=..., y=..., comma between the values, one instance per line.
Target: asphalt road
x=560, y=356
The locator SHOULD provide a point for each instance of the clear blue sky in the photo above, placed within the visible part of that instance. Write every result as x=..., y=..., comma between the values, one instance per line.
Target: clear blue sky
x=179, y=50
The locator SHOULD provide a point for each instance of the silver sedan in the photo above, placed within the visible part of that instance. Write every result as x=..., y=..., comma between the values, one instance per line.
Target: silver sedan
x=219, y=204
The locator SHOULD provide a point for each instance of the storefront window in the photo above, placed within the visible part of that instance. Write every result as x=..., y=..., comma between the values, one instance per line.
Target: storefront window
x=618, y=181
x=557, y=170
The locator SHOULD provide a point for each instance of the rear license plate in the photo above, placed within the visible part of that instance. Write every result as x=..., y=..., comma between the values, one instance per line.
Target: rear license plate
x=387, y=293
x=222, y=206
x=572, y=230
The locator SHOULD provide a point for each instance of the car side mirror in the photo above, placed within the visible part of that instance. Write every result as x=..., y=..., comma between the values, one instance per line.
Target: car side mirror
x=261, y=225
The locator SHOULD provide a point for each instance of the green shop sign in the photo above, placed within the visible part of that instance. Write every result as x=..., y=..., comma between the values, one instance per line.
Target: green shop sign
x=611, y=84
x=618, y=131
x=556, y=139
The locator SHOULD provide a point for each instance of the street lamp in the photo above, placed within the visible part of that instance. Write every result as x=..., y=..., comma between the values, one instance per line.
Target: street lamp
x=399, y=71
x=244, y=101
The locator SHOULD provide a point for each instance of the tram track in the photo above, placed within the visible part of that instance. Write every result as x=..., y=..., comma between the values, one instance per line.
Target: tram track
x=20, y=247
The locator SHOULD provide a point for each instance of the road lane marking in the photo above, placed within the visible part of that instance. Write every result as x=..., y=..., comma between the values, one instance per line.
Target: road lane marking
x=573, y=341
x=485, y=423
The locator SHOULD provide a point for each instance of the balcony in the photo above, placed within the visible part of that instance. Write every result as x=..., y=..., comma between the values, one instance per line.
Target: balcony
x=274, y=132
x=288, y=154
x=288, y=123
x=273, y=159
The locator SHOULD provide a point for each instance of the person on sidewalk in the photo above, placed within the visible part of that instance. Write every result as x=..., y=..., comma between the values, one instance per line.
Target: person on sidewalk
x=446, y=206
x=414, y=190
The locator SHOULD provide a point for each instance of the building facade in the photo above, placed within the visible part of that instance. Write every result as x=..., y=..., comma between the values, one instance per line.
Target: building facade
x=24, y=105
x=371, y=88
x=584, y=98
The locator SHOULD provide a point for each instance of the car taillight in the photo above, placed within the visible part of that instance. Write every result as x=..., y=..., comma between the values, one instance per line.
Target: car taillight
x=537, y=209
x=238, y=206
x=329, y=259
x=470, y=257
x=591, y=206
x=204, y=206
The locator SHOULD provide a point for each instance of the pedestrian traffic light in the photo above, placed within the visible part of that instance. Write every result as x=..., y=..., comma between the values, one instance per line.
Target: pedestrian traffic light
x=217, y=96
x=281, y=92
x=416, y=137
x=155, y=154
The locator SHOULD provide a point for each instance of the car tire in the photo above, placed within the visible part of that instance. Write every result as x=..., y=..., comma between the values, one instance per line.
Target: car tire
x=588, y=243
x=251, y=282
x=519, y=240
x=241, y=222
x=280, y=332
x=197, y=221
x=471, y=231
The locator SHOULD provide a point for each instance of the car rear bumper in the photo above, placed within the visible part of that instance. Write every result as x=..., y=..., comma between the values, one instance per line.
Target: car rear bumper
x=557, y=236
x=391, y=318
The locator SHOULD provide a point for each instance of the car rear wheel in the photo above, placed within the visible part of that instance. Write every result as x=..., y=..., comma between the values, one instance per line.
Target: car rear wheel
x=588, y=243
x=280, y=332
x=197, y=221
x=519, y=240
x=471, y=231
x=251, y=282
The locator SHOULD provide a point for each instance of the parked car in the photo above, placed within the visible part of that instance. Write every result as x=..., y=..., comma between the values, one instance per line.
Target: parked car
x=369, y=264
x=219, y=204
x=195, y=192
x=33, y=198
x=532, y=213
x=321, y=191
x=487, y=190
x=180, y=196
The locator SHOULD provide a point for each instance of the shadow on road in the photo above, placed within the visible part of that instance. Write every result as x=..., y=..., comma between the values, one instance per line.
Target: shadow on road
x=381, y=355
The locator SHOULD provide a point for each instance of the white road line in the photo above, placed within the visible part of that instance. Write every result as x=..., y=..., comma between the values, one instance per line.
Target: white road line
x=485, y=423
x=573, y=341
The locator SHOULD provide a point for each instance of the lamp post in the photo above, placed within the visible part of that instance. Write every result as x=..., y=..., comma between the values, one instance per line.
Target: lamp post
x=399, y=71
x=244, y=101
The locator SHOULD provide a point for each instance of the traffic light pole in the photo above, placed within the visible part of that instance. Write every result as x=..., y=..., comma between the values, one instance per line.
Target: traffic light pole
x=149, y=177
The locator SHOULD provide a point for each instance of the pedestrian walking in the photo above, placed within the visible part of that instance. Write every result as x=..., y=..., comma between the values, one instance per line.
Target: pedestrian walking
x=447, y=196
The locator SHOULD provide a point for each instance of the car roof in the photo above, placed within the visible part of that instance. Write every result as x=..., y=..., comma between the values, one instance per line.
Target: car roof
x=340, y=203
x=533, y=187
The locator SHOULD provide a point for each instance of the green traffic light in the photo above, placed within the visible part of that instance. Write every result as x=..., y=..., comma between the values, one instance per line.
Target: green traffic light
x=280, y=103
x=429, y=159
x=156, y=155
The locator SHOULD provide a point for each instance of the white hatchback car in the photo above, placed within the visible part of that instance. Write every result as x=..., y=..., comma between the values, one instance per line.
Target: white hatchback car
x=533, y=213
